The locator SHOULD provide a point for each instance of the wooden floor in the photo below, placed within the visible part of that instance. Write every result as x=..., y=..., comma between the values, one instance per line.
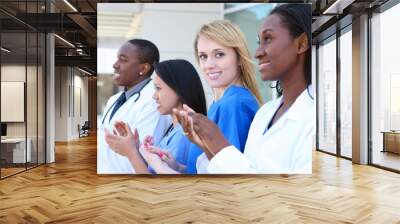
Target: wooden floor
x=70, y=191
x=10, y=171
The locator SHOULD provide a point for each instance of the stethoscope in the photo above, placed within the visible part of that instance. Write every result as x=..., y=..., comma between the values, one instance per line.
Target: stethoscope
x=137, y=94
x=170, y=128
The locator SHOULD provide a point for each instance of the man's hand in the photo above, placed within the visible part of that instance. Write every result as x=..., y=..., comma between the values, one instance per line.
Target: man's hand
x=201, y=131
x=123, y=141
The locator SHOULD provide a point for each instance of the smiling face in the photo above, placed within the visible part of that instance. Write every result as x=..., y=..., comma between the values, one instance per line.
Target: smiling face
x=127, y=67
x=165, y=97
x=219, y=64
x=277, y=51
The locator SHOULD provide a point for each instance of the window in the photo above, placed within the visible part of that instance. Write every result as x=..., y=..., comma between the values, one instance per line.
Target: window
x=346, y=92
x=327, y=96
x=385, y=89
x=22, y=66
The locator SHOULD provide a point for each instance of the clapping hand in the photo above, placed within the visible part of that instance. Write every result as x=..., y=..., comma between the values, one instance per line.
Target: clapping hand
x=157, y=159
x=201, y=131
x=123, y=141
x=184, y=117
x=167, y=157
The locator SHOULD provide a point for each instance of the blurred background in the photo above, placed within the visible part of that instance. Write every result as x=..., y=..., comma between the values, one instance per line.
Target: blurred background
x=172, y=27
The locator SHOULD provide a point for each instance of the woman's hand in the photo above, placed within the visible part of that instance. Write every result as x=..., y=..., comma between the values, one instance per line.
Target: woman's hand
x=167, y=157
x=148, y=141
x=153, y=157
x=123, y=141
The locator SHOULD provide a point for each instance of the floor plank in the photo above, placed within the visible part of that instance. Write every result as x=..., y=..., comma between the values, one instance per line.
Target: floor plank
x=70, y=191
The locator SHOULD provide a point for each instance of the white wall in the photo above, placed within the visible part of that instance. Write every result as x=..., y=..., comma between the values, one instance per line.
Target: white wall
x=177, y=25
x=61, y=103
x=80, y=109
x=70, y=84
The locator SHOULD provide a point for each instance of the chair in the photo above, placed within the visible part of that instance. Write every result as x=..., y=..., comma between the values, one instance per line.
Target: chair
x=84, y=130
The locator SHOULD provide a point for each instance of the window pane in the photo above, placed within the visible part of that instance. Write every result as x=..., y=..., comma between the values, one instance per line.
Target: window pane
x=385, y=86
x=31, y=98
x=346, y=94
x=327, y=96
x=13, y=84
x=41, y=98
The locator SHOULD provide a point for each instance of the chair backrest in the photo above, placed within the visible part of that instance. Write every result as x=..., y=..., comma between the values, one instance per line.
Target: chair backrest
x=86, y=125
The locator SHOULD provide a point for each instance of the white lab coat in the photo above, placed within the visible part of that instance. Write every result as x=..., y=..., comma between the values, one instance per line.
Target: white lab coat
x=142, y=115
x=286, y=148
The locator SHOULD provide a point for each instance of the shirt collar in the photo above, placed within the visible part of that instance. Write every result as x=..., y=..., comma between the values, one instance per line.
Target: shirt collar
x=301, y=105
x=137, y=88
x=232, y=90
x=300, y=108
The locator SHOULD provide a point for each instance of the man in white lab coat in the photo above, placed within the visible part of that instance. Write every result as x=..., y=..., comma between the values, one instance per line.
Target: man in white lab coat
x=134, y=105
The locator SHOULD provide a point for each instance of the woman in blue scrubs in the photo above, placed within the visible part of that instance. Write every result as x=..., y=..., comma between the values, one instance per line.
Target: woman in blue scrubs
x=176, y=83
x=226, y=65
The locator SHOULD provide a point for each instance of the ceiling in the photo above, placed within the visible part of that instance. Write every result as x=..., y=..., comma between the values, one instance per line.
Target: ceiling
x=75, y=43
x=75, y=23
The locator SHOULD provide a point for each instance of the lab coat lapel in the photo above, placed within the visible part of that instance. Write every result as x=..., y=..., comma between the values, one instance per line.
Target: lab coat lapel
x=294, y=113
x=130, y=103
x=269, y=116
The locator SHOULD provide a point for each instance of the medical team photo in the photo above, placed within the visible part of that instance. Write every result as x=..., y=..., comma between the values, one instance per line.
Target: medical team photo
x=192, y=89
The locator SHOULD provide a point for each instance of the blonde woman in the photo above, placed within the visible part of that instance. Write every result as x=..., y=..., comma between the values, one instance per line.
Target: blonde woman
x=225, y=63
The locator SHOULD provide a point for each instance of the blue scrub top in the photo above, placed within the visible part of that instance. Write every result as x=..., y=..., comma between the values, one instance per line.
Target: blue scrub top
x=176, y=143
x=233, y=114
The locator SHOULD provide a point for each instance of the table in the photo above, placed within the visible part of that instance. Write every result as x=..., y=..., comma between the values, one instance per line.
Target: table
x=391, y=141
x=15, y=148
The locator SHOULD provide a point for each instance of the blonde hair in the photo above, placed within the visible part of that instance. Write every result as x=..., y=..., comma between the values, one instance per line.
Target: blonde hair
x=229, y=35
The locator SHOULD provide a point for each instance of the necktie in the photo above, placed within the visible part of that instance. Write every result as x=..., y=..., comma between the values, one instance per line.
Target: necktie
x=121, y=100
